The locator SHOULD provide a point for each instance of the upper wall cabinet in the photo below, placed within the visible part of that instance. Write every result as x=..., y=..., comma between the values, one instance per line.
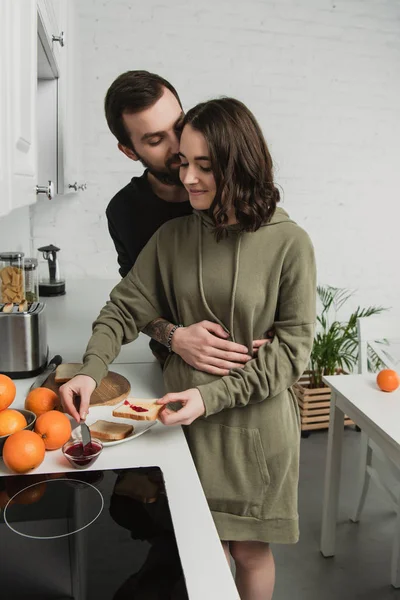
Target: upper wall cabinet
x=58, y=117
x=5, y=59
x=39, y=121
x=50, y=25
x=69, y=173
x=18, y=154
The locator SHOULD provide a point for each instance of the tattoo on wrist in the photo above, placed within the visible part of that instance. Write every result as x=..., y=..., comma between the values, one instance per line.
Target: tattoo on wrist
x=159, y=330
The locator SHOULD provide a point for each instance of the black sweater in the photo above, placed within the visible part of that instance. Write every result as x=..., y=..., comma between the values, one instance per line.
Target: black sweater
x=134, y=215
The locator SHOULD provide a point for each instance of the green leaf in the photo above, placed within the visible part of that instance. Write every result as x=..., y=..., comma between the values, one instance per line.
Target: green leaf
x=336, y=342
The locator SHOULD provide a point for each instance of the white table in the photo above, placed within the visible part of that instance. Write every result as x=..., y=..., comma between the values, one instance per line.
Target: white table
x=377, y=414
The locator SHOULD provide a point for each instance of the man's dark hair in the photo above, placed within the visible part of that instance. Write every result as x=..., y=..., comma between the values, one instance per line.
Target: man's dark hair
x=130, y=93
x=240, y=161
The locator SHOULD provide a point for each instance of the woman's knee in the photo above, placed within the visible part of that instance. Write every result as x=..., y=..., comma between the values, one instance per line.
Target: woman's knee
x=225, y=546
x=249, y=554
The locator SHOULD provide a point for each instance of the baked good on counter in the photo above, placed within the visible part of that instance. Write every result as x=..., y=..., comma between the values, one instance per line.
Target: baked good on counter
x=66, y=371
x=109, y=430
x=139, y=410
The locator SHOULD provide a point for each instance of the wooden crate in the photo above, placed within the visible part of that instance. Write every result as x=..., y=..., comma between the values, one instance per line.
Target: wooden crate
x=314, y=404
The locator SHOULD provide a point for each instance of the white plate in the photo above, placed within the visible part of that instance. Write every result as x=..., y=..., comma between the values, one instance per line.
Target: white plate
x=105, y=413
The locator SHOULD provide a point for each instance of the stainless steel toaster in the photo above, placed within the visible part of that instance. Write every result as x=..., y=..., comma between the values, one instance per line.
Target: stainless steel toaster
x=23, y=341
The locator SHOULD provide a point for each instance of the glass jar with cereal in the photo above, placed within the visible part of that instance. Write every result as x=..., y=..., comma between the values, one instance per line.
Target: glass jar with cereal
x=12, y=284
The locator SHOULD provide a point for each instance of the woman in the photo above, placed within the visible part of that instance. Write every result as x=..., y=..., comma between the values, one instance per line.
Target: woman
x=239, y=261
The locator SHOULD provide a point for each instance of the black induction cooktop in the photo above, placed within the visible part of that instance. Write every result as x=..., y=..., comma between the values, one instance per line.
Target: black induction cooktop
x=95, y=535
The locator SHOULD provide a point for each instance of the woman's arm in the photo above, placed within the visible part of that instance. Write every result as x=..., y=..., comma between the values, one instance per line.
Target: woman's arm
x=133, y=303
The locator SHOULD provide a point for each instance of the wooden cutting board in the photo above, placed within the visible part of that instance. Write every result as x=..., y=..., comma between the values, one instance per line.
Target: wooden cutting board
x=113, y=389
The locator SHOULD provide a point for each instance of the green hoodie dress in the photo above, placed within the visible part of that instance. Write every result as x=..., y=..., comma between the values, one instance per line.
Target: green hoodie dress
x=246, y=446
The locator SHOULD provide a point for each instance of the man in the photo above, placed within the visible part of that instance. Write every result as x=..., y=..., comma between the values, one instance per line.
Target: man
x=145, y=114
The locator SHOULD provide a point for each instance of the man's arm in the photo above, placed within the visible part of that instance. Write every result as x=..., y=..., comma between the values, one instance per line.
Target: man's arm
x=159, y=330
x=204, y=345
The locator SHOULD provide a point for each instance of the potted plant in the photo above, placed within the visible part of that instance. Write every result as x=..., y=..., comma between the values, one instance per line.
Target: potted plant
x=335, y=350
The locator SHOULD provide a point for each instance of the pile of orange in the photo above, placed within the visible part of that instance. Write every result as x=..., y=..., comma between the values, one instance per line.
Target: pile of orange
x=41, y=400
x=388, y=380
x=54, y=428
x=24, y=450
x=11, y=421
x=7, y=391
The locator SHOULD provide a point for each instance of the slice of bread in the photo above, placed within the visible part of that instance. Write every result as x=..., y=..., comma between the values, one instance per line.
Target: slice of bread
x=137, y=409
x=109, y=430
x=66, y=371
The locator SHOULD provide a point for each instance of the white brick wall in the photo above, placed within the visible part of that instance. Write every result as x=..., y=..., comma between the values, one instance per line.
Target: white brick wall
x=321, y=76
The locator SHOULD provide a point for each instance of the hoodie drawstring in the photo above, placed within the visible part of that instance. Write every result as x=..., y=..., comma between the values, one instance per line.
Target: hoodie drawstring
x=234, y=286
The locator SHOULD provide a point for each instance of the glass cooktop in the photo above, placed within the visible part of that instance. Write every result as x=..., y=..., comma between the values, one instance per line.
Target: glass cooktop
x=95, y=535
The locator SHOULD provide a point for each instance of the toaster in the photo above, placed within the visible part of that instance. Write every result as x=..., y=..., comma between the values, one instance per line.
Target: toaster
x=23, y=341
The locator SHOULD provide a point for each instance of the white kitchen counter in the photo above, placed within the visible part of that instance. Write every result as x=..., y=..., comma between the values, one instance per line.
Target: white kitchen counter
x=206, y=570
x=70, y=318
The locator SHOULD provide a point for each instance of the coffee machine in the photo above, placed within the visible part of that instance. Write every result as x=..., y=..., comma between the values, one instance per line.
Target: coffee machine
x=50, y=280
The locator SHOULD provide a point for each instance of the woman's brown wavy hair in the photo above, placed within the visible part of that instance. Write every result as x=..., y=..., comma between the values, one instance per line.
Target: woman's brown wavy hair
x=240, y=161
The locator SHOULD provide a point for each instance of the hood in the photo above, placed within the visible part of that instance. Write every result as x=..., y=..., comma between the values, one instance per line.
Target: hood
x=279, y=216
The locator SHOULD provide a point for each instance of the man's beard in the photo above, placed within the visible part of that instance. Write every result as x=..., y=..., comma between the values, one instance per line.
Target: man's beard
x=170, y=176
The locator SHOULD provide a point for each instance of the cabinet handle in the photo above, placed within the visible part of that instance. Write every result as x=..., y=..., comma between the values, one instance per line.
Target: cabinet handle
x=59, y=38
x=74, y=186
x=46, y=189
x=82, y=187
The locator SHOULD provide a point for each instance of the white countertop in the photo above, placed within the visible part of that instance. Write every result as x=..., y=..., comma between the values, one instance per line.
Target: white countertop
x=69, y=319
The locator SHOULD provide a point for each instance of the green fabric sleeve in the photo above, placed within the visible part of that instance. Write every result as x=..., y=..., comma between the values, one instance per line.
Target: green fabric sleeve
x=133, y=304
x=280, y=364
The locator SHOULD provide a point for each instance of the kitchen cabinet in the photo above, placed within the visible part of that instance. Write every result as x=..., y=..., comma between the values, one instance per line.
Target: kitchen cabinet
x=50, y=25
x=69, y=160
x=39, y=117
x=18, y=153
x=5, y=36
x=58, y=101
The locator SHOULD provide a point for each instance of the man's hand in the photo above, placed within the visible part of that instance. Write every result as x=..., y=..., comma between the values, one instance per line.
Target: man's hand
x=204, y=346
x=267, y=340
x=192, y=407
x=82, y=386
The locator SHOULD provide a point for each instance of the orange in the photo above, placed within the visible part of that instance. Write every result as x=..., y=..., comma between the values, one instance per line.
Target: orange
x=23, y=451
x=7, y=391
x=54, y=428
x=11, y=421
x=387, y=380
x=41, y=400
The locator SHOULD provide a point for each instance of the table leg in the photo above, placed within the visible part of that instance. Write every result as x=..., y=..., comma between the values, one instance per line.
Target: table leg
x=332, y=479
x=395, y=565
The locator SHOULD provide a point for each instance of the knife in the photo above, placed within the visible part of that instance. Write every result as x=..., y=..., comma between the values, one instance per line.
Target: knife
x=52, y=366
x=85, y=431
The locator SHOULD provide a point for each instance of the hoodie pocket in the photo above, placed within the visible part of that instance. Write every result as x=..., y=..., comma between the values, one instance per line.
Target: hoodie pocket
x=232, y=468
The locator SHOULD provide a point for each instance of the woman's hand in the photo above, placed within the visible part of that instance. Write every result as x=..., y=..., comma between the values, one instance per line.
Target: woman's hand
x=267, y=340
x=82, y=386
x=192, y=407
